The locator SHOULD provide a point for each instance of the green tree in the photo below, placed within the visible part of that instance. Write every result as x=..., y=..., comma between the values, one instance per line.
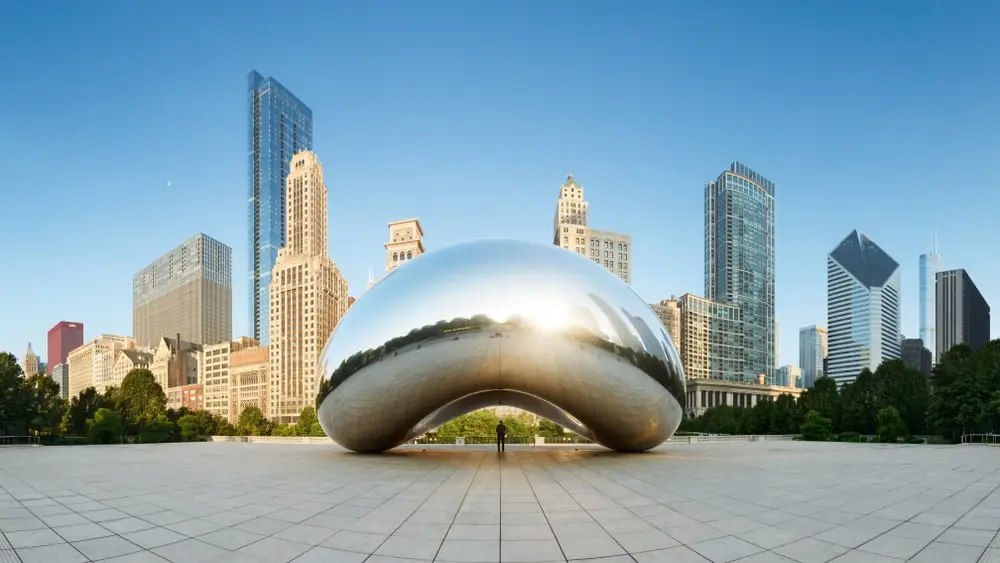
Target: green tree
x=518, y=426
x=252, y=423
x=308, y=424
x=859, y=404
x=957, y=402
x=823, y=398
x=141, y=401
x=159, y=429
x=12, y=397
x=479, y=423
x=224, y=428
x=195, y=424
x=43, y=407
x=816, y=427
x=82, y=408
x=785, y=416
x=906, y=389
x=105, y=427
x=890, y=425
x=549, y=429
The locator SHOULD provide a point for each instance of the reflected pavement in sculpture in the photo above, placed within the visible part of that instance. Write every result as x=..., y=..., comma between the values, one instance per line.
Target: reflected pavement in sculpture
x=500, y=322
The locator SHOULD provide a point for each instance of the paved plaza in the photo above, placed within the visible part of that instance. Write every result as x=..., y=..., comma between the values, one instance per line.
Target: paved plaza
x=764, y=502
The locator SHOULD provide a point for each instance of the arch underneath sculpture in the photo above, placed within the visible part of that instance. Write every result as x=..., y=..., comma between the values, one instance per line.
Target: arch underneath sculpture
x=499, y=398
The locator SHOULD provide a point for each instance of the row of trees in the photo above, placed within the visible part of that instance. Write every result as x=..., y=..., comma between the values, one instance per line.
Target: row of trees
x=962, y=396
x=482, y=424
x=135, y=411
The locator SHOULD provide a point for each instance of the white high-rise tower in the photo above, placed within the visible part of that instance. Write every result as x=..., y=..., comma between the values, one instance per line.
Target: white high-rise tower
x=862, y=307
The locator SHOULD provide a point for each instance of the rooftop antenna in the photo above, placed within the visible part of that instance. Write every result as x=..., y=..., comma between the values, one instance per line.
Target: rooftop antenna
x=935, y=241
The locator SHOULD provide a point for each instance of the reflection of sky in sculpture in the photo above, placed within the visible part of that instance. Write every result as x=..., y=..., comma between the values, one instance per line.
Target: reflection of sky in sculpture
x=562, y=297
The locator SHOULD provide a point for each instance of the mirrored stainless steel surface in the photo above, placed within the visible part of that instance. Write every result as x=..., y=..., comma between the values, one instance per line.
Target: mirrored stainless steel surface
x=500, y=322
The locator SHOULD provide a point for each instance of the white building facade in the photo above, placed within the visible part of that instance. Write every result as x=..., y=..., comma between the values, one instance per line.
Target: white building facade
x=863, y=312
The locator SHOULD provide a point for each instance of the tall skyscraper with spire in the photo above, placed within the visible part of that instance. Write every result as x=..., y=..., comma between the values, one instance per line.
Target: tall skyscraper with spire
x=739, y=258
x=279, y=126
x=930, y=265
x=308, y=294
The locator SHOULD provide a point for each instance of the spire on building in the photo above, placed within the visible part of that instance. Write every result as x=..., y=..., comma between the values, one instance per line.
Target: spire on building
x=371, y=278
x=30, y=352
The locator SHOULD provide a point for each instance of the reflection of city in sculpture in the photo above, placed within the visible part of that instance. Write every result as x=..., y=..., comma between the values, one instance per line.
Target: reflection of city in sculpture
x=497, y=322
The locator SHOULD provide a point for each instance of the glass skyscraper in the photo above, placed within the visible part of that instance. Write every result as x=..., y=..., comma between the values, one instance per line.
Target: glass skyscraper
x=930, y=265
x=279, y=125
x=813, y=346
x=862, y=307
x=739, y=258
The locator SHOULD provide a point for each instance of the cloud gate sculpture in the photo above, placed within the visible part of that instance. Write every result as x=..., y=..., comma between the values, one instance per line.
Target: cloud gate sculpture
x=500, y=322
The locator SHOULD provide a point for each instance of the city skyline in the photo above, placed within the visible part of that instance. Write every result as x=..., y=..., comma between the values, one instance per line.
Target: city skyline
x=392, y=156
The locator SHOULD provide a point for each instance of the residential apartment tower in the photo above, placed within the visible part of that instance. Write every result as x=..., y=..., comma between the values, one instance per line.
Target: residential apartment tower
x=279, y=126
x=739, y=258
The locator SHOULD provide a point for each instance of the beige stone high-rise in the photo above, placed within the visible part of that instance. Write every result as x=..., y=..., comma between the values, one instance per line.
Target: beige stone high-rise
x=406, y=242
x=308, y=295
x=30, y=365
x=249, y=381
x=711, y=339
x=570, y=225
x=215, y=372
x=613, y=251
x=669, y=312
x=92, y=365
x=572, y=232
x=175, y=363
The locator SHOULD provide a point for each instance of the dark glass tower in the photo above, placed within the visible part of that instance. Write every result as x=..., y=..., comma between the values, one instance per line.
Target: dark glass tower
x=963, y=315
x=278, y=126
x=739, y=258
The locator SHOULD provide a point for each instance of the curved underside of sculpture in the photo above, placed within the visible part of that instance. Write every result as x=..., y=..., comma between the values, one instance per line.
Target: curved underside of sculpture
x=498, y=398
x=500, y=323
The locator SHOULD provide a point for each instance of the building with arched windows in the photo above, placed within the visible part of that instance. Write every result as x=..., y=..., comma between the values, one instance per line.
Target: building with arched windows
x=406, y=242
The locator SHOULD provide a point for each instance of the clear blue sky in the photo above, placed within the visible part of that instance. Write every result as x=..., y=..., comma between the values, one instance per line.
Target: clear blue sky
x=880, y=116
